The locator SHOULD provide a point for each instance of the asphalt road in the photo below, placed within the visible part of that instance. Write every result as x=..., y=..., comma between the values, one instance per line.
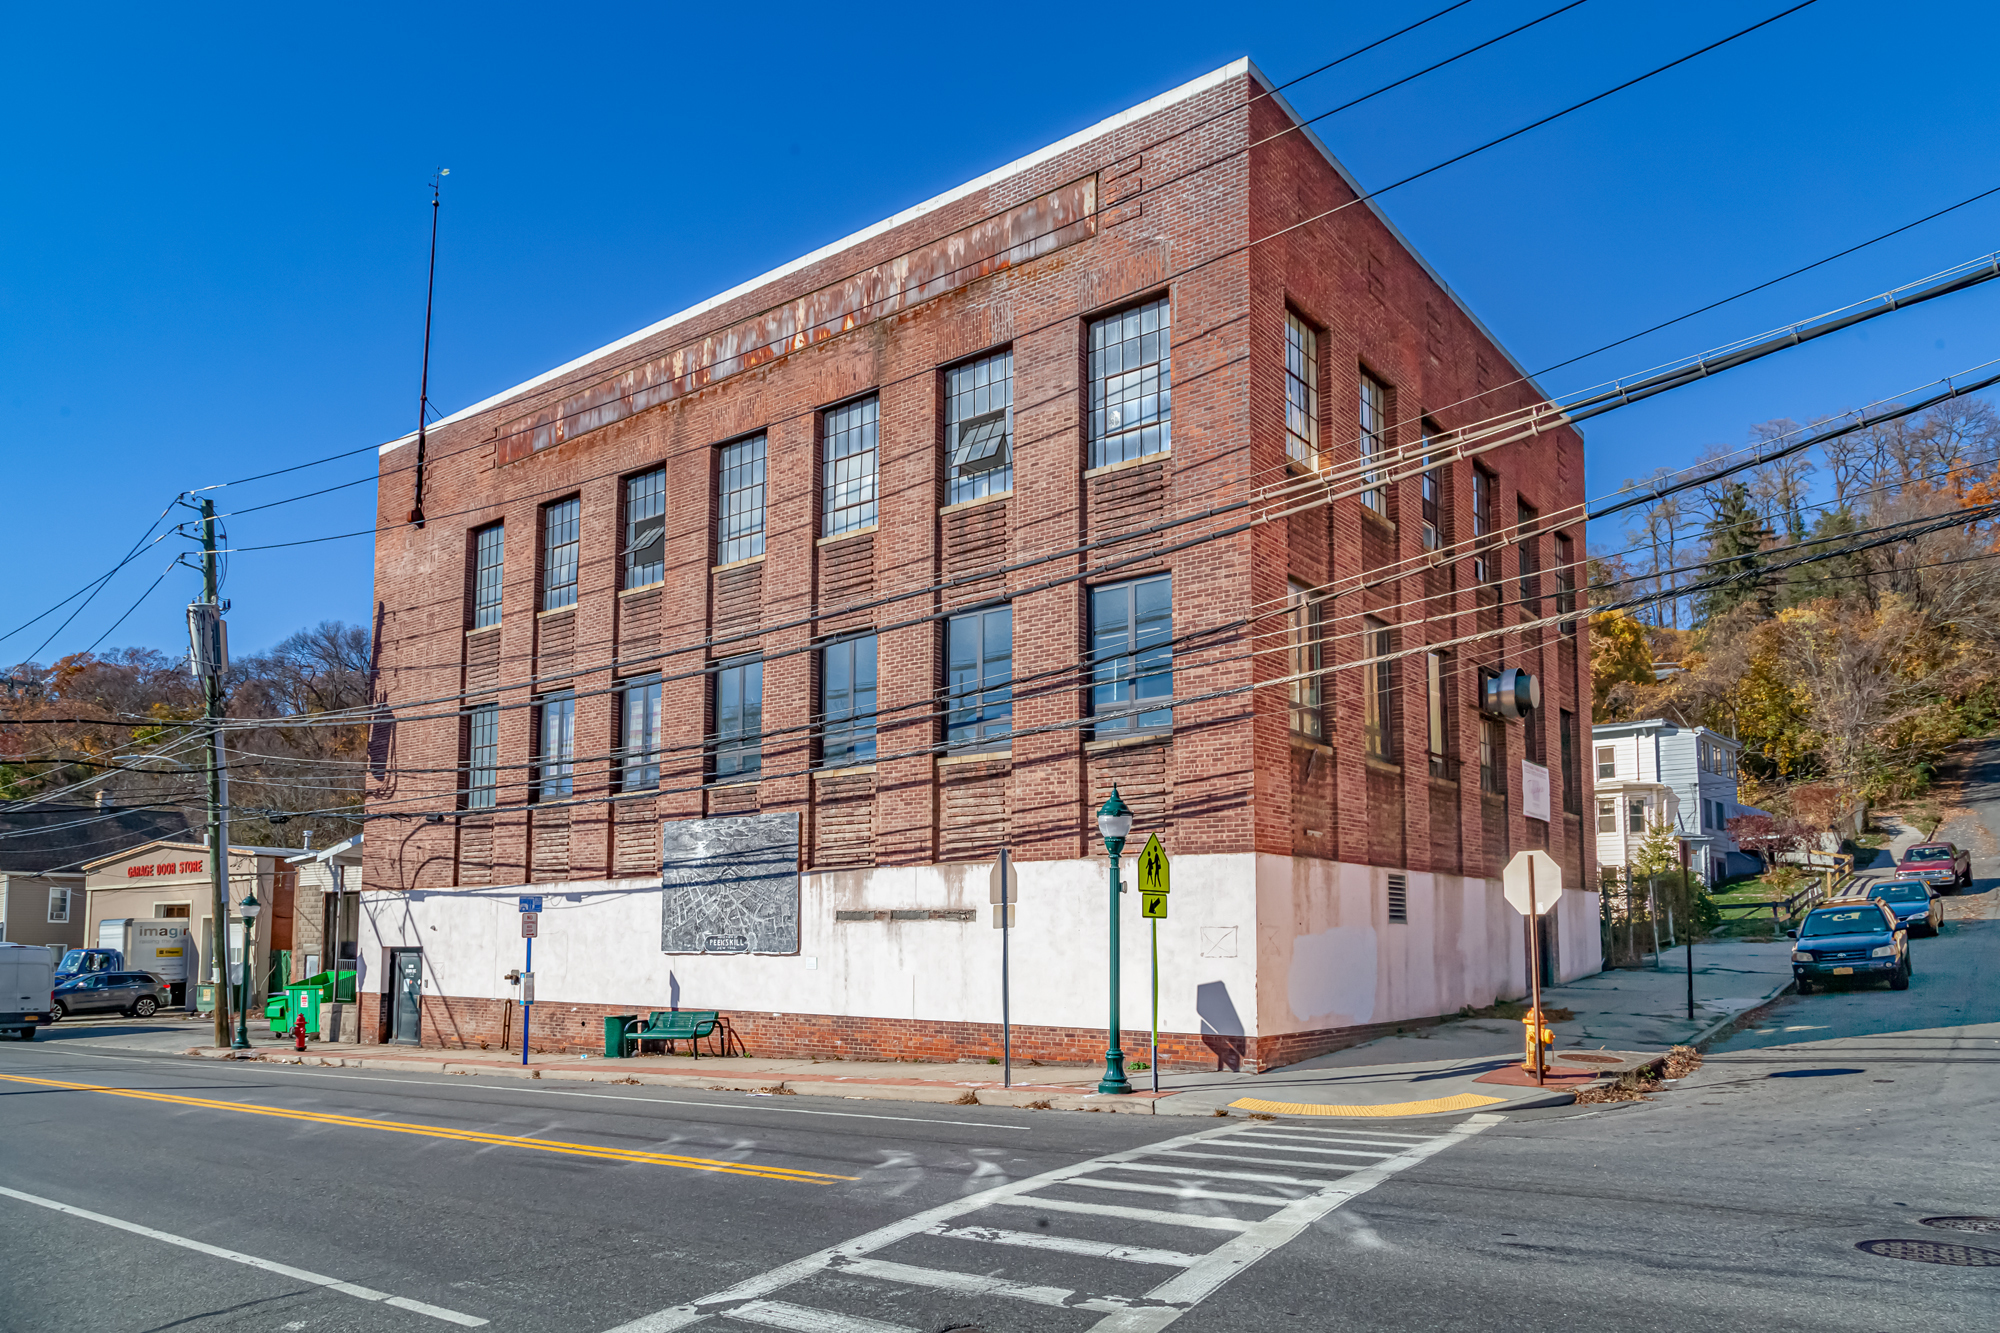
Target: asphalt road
x=404, y=1202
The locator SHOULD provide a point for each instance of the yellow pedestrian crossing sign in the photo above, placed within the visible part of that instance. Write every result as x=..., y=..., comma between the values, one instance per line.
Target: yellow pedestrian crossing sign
x=1153, y=906
x=1153, y=871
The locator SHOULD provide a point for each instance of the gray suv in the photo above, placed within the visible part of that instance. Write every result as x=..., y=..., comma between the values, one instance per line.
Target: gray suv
x=139, y=994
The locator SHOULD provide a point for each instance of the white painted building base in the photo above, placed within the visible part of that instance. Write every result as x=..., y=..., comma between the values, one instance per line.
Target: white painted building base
x=1256, y=946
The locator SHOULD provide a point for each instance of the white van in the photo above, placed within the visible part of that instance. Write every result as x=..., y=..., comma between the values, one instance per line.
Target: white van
x=27, y=977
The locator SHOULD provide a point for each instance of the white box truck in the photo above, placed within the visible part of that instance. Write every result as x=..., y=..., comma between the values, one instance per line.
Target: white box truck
x=27, y=976
x=161, y=945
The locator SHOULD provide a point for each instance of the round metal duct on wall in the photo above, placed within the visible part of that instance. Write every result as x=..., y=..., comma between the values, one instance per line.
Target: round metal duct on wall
x=1512, y=693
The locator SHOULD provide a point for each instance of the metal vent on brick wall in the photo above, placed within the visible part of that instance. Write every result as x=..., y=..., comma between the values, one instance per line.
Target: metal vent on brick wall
x=1932, y=1252
x=1399, y=896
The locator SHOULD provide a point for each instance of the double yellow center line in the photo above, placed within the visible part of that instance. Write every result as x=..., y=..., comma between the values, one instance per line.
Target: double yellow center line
x=459, y=1135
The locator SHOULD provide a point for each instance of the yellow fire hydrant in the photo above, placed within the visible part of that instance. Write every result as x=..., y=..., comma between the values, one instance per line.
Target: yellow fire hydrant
x=1532, y=1022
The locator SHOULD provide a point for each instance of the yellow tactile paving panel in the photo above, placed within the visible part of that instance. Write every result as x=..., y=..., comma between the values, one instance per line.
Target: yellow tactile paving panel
x=461, y=1135
x=1464, y=1101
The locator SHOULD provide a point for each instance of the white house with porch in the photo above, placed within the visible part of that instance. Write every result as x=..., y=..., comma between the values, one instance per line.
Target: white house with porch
x=1657, y=770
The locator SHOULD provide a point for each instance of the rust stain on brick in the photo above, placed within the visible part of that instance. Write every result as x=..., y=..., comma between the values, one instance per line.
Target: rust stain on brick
x=1042, y=225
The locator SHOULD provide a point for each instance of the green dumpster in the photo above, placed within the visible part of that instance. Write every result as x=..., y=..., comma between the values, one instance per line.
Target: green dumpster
x=278, y=1010
x=617, y=1046
x=324, y=983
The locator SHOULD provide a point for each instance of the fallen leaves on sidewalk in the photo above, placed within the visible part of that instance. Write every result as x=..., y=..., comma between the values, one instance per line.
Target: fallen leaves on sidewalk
x=1635, y=1086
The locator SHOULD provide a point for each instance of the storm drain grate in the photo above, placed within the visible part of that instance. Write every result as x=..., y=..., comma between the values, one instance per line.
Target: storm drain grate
x=1963, y=1223
x=1932, y=1252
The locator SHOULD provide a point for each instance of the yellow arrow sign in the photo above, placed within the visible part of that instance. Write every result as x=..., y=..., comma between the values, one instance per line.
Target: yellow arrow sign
x=1153, y=868
x=1153, y=905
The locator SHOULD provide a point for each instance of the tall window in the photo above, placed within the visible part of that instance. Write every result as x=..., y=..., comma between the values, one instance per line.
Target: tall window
x=59, y=905
x=1635, y=815
x=1534, y=745
x=739, y=507
x=1303, y=625
x=1566, y=580
x=1438, y=713
x=482, y=757
x=1530, y=558
x=555, y=747
x=1301, y=392
x=1131, y=390
x=489, y=550
x=1485, y=569
x=559, y=543
x=979, y=674
x=1572, y=790
x=738, y=747
x=847, y=702
x=1432, y=484
x=1132, y=655
x=847, y=465
x=646, y=528
x=1607, y=762
x=1607, y=816
x=1492, y=756
x=979, y=428
x=1374, y=441
x=1378, y=691
x=639, y=735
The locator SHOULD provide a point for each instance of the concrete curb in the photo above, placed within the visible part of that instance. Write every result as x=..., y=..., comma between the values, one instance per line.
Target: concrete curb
x=1729, y=1023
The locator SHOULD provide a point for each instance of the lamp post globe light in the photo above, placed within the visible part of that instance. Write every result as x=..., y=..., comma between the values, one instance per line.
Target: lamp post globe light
x=1114, y=822
x=247, y=909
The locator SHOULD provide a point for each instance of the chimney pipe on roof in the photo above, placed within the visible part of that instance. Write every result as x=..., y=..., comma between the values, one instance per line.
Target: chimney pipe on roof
x=100, y=798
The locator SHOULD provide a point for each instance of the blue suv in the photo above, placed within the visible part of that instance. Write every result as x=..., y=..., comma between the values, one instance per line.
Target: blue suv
x=1851, y=941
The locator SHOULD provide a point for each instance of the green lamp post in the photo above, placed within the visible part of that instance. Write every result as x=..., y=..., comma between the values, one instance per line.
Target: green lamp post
x=1114, y=821
x=247, y=909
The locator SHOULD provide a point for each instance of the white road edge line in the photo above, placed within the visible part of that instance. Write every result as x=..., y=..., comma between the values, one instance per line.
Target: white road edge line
x=251, y=1260
x=1201, y=1279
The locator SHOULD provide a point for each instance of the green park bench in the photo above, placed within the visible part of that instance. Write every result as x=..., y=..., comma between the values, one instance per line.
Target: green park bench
x=672, y=1025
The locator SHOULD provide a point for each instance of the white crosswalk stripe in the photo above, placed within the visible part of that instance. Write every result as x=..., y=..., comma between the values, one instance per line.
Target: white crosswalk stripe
x=1282, y=1217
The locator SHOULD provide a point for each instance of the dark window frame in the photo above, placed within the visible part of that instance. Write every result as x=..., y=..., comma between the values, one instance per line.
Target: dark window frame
x=1376, y=428
x=638, y=758
x=482, y=757
x=980, y=404
x=850, y=481
x=741, y=470
x=1438, y=720
x=1108, y=436
x=643, y=525
x=488, y=575
x=736, y=754
x=979, y=710
x=555, y=756
x=1572, y=786
x=1141, y=664
x=847, y=729
x=1301, y=390
x=1378, y=702
x=1305, y=629
x=562, y=550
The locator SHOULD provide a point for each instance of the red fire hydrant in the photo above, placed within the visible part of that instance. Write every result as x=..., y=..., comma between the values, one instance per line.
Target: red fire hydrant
x=299, y=1032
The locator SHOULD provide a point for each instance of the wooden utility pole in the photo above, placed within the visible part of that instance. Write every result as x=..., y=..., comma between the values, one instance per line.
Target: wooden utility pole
x=218, y=781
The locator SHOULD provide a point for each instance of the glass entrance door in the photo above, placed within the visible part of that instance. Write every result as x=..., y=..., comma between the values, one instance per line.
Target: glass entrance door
x=406, y=972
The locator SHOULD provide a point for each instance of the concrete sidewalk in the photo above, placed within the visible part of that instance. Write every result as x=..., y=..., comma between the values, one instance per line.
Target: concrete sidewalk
x=1620, y=1020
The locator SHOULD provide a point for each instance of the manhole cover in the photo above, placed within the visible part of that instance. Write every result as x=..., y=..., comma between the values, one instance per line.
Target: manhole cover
x=1590, y=1059
x=1932, y=1252
x=1963, y=1223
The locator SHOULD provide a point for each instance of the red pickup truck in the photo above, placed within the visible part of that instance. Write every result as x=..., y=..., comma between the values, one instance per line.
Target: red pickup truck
x=1939, y=864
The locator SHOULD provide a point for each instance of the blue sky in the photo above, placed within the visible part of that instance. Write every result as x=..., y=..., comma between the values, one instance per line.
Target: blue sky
x=213, y=235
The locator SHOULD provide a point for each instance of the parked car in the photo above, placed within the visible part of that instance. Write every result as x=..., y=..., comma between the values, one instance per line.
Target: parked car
x=1936, y=863
x=1916, y=904
x=137, y=994
x=1851, y=940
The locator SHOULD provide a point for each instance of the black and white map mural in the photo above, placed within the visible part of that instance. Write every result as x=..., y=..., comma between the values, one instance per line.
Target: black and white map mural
x=731, y=885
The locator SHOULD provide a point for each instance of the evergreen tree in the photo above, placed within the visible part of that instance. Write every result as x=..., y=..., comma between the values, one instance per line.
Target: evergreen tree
x=1735, y=535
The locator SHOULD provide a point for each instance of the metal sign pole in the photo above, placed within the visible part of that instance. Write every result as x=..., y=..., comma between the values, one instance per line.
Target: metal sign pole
x=1155, y=1066
x=1006, y=1018
x=527, y=967
x=1687, y=889
x=1535, y=971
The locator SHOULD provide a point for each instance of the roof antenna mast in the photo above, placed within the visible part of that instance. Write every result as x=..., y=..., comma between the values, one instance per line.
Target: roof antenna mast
x=424, y=383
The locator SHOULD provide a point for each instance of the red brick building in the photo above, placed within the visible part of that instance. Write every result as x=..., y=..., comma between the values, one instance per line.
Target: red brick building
x=1108, y=467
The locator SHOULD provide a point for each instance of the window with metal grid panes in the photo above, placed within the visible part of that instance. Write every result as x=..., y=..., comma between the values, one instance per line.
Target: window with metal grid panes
x=739, y=523
x=489, y=550
x=848, y=438
x=847, y=702
x=639, y=735
x=1131, y=384
x=482, y=757
x=555, y=746
x=559, y=553
x=736, y=748
x=1301, y=392
x=979, y=428
x=646, y=528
